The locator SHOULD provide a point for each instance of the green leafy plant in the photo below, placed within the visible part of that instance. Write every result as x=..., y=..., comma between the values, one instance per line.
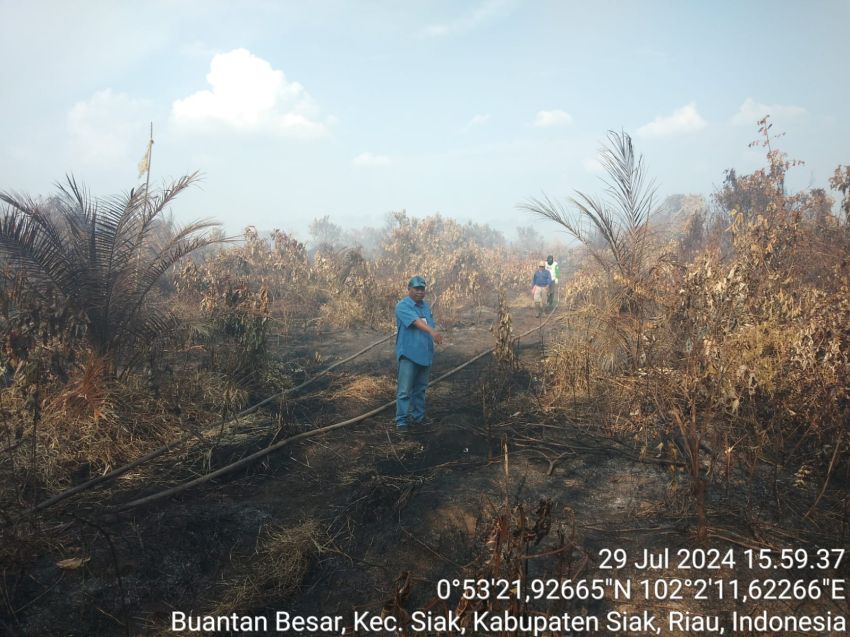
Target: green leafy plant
x=102, y=256
x=615, y=231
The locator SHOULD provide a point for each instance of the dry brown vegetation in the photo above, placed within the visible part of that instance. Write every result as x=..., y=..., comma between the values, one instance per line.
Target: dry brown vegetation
x=76, y=404
x=714, y=344
x=277, y=568
x=122, y=333
x=728, y=344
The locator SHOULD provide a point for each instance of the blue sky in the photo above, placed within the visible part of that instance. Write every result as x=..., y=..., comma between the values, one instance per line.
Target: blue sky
x=353, y=109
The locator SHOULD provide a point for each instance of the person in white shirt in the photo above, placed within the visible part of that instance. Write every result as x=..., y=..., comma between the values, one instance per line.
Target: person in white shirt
x=555, y=273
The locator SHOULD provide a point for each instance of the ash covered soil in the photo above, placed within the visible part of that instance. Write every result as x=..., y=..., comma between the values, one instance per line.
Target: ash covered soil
x=360, y=519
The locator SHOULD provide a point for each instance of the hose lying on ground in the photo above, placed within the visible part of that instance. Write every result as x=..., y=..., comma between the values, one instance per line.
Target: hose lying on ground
x=286, y=441
x=84, y=486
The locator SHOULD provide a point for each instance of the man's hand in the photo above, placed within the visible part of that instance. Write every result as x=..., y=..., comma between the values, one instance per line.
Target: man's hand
x=422, y=324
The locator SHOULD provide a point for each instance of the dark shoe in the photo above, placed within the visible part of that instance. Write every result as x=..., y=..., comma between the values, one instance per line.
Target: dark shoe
x=424, y=425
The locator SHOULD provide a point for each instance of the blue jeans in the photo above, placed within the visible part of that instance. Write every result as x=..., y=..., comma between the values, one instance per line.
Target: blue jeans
x=410, y=397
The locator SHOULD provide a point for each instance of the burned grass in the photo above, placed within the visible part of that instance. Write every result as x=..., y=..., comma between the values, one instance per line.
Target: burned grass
x=688, y=393
x=275, y=571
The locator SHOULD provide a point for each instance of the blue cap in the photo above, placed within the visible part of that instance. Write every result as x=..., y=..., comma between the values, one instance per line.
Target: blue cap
x=416, y=282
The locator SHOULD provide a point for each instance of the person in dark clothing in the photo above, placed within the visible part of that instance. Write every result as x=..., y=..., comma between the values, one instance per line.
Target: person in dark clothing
x=539, y=286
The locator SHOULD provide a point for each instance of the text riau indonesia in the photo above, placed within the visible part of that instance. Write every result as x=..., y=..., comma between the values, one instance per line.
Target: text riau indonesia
x=420, y=621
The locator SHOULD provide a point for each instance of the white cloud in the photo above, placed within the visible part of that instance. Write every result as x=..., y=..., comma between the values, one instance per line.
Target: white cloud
x=592, y=165
x=478, y=120
x=683, y=120
x=368, y=159
x=552, y=118
x=104, y=127
x=482, y=13
x=752, y=111
x=248, y=95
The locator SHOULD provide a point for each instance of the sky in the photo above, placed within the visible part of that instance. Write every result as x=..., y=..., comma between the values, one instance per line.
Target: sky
x=296, y=110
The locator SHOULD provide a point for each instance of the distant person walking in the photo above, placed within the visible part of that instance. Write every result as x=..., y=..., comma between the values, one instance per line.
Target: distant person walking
x=554, y=272
x=414, y=348
x=539, y=286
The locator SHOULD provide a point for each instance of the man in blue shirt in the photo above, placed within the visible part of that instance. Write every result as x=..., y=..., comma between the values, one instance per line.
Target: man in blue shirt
x=414, y=350
x=539, y=286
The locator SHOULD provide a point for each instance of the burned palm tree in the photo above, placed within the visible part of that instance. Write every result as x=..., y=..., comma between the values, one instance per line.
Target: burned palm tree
x=101, y=255
x=615, y=230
